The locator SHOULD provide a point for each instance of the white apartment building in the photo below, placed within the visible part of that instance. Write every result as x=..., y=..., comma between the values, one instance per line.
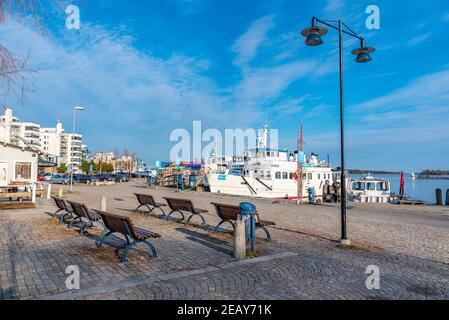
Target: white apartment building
x=104, y=157
x=50, y=140
x=14, y=131
x=58, y=146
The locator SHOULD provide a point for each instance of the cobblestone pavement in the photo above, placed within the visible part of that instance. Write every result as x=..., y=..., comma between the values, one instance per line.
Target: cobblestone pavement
x=196, y=264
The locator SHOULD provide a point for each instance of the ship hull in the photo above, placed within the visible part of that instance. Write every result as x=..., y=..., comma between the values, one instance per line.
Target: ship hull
x=262, y=188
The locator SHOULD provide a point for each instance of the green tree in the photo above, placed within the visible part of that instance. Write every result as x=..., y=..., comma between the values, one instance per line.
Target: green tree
x=62, y=168
x=85, y=166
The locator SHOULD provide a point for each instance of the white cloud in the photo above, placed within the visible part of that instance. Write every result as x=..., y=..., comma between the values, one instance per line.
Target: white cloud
x=334, y=8
x=418, y=39
x=247, y=44
x=445, y=18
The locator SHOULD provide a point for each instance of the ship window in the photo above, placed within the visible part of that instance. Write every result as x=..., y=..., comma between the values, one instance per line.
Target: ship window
x=285, y=175
x=371, y=186
x=359, y=186
x=292, y=175
x=382, y=186
x=278, y=175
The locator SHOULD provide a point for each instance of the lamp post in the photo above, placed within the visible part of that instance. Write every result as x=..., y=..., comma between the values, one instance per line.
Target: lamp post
x=75, y=109
x=313, y=36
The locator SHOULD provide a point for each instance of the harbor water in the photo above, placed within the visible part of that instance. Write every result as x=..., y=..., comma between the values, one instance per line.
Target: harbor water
x=419, y=189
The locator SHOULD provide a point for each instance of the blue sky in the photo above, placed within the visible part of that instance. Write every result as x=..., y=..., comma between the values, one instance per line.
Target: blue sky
x=145, y=68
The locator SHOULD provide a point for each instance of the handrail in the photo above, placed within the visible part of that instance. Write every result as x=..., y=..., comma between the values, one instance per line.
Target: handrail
x=249, y=186
x=269, y=188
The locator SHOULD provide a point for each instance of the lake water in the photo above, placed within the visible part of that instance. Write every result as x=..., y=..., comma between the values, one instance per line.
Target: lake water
x=420, y=189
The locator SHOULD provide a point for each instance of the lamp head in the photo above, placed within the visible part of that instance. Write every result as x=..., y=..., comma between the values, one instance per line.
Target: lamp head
x=363, y=54
x=79, y=108
x=313, y=35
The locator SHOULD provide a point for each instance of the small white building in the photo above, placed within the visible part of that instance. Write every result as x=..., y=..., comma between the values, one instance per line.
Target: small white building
x=18, y=165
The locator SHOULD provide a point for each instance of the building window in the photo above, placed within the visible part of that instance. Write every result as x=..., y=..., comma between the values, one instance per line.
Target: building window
x=292, y=175
x=278, y=175
x=23, y=170
x=269, y=175
x=309, y=176
x=285, y=175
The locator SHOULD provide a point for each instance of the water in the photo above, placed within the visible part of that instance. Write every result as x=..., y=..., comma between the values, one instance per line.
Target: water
x=420, y=189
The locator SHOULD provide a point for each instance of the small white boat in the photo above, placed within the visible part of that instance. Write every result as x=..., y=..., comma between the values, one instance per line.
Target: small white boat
x=369, y=189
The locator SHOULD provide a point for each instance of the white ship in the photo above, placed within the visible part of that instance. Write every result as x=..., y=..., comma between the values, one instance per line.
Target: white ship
x=270, y=173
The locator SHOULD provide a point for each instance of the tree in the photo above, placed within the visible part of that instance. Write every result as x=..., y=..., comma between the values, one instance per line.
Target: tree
x=85, y=166
x=62, y=168
x=14, y=71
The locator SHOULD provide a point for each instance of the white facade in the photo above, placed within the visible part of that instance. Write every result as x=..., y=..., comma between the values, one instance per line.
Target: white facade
x=58, y=146
x=104, y=157
x=17, y=165
x=50, y=139
x=71, y=151
x=17, y=132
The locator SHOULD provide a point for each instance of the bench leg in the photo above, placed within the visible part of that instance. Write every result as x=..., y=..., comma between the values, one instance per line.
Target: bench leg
x=127, y=248
x=266, y=232
x=86, y=226
x=69, y=226
x=153, y=250
x=197, y=214
x=137, y=209
x=162, y=211
x=217, y=228
x=99, y=242
x=168, y=216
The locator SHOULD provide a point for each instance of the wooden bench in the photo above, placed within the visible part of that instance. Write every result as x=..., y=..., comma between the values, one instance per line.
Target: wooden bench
x=146, y=200
x=63, y=207
x=229, y=213
x=183, y=205
x=84, y=216
x=133, y=235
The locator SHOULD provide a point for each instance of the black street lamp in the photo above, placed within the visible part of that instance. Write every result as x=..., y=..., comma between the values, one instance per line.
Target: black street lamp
x=313, y=36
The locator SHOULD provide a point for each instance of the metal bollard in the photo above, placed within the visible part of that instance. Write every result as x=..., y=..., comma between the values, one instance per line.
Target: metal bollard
x=248, y=213
x=48, y=191
x=439, y=196
x=447, y=197
x=239, y=240
x=60, y=193
x=103, y=204
x=33, y=193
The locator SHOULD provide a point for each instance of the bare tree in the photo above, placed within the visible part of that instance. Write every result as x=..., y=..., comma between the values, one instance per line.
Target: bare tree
x=13, y=69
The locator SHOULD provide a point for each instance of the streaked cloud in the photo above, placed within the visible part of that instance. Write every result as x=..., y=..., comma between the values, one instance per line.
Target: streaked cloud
x=248, y=43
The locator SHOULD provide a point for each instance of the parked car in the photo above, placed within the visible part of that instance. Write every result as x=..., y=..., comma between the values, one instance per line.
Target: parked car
x=60, y=179
x=120, y=177
x=104, y=177
x=40, y=177
x=47, y=176
x=84, y=178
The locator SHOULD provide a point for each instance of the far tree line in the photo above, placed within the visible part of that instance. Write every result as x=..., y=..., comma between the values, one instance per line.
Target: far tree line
x=97, y=168
x=429, y=172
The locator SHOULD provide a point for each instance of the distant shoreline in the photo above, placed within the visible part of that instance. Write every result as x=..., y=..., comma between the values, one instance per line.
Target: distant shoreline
x=357, y=171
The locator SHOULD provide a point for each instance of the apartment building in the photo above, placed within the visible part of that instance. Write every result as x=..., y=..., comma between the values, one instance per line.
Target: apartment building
x=57, y=145
x=16, y=132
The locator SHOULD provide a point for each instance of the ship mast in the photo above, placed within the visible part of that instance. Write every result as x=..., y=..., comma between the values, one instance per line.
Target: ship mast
x=299, y=170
